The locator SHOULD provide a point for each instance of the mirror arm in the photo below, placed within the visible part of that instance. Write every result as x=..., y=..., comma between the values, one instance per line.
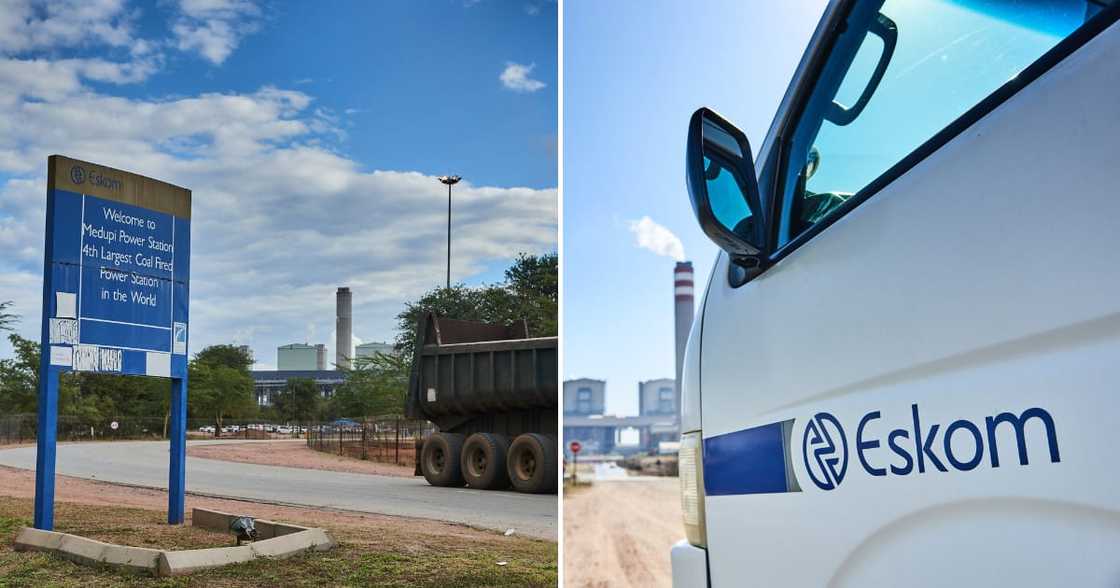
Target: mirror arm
x=743, y=269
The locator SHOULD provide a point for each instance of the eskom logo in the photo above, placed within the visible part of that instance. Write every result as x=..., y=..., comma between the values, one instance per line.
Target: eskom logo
x=824, y=438
x=77, y=174
x=913, y=450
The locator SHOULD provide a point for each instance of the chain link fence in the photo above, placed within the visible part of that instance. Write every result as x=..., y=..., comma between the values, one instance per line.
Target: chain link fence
x=385, y=440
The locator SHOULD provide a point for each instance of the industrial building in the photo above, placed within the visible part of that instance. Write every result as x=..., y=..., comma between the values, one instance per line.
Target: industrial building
x=585, y=397
x=373, y=348
x=659, y=400
x=301, y=356
x=599, y=433
x=268, y=383
x=585, y=400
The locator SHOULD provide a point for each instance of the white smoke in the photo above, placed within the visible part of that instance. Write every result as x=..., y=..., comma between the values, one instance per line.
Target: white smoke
x=657, y=238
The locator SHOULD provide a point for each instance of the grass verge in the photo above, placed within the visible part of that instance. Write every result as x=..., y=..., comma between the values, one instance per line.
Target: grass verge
x=365, y=556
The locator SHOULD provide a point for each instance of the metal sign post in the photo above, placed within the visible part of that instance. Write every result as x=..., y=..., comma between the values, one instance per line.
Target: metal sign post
x=575, y=447
x=116, y=270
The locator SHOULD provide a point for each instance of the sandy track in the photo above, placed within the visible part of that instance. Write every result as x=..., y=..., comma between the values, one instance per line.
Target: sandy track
x=294, y=453
x=618, y=533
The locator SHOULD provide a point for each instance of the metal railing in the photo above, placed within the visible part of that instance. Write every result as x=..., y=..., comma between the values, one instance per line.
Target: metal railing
x=385, y=440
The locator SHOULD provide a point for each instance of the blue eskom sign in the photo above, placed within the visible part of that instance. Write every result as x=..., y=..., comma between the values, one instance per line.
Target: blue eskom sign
x=118, y=272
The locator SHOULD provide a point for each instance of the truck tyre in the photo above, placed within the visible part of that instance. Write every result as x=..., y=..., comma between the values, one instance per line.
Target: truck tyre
x=484, y=461
x=440, y=459
x=532, y=464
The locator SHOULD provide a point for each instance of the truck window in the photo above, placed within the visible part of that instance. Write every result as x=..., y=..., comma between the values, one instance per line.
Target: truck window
x=900, y=72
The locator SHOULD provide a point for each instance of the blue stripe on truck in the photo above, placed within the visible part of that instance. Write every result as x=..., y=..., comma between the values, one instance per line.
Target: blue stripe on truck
x=751, y=461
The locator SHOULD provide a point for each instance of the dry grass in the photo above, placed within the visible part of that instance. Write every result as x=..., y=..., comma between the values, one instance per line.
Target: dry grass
x=369, y=554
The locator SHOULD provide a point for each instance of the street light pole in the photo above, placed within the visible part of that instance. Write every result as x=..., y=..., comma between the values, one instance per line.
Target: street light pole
x=449, y=181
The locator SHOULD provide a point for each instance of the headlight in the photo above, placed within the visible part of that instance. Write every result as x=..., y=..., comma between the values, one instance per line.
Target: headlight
x=691, y=462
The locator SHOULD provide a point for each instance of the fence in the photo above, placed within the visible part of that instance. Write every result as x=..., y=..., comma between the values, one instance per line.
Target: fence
x=23, y=428
x=386, y=440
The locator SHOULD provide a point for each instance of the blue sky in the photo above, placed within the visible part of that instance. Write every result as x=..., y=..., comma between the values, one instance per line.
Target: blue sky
x=310, y=138
x=633, y=74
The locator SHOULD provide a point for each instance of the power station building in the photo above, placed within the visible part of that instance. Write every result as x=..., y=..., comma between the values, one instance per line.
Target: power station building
x=659, y=400
x=301, y=356
x=585, y=419
x=373, y=348
x=268, y=383
x=585, y=401
x=585, y=397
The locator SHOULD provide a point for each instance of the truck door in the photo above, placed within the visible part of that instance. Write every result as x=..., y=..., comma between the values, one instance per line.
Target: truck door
x=936, y=325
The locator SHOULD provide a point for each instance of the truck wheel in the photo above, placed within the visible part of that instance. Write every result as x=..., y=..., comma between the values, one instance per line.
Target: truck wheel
x=484, y=461
x=532, y=463
x=440, y=459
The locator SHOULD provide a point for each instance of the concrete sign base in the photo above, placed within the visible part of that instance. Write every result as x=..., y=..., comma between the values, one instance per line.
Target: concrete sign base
x=277, y=541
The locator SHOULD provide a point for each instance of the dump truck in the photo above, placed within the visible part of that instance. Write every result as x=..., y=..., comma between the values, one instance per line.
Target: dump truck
x=491, y=390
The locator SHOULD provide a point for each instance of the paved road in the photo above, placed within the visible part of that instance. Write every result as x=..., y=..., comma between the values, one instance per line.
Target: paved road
x=145, y=463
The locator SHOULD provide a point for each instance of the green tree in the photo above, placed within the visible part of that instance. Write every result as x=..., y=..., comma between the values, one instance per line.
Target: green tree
x=230, y=356
x=19, y=378
x=128, y=396
x=7, y=319
x=220, y=385
x=298, y=402
x=19, y=386
x=530, y=292
x=375, y=386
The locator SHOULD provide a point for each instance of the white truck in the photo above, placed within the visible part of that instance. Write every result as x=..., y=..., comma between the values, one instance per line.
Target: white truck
x=906, y=365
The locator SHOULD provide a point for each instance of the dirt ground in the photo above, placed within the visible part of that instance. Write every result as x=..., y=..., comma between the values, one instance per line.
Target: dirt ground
x=295, y=453
x=618, y=533
x=375, y=550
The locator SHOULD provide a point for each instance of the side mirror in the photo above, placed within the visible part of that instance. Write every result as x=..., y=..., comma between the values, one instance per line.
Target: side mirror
x=723, y=187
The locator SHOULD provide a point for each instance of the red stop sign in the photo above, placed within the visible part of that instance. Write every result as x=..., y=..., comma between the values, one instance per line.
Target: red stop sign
x=575, y=446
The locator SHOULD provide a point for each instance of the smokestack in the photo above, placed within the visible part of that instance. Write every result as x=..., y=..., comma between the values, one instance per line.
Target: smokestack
x=342, y=328
x=682, y=296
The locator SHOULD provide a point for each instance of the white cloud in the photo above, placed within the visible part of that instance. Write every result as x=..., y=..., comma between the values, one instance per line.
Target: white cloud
x=657, y=238
x=280, y=218
x=214, y=28
x=279, y=221
x=28, y=25
x=516, y=77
